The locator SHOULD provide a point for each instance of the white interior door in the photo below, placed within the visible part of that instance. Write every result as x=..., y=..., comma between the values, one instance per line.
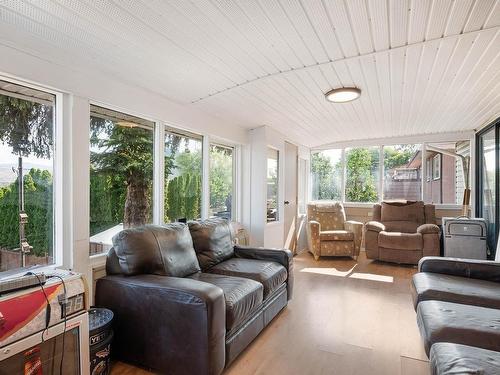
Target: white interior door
x=290, y=196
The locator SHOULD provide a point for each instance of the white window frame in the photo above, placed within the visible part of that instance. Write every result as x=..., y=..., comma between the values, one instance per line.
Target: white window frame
x=62, y=254
x=423, y=140
x=378, y=183
x=234, y=176
x=205, y=199
x=428, y=172
x=436, y=167
x=278, y=193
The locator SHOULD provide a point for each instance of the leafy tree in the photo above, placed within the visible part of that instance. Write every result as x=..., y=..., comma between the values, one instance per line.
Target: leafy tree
x=221, y=178
x=325, y=173
x=360, y=183
x=398, y=156
x=27, y=127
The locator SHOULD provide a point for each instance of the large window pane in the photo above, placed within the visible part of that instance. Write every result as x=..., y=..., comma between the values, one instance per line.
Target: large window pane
x=326, y=173
x=302, y=186
x=26, y=176
x=121, y=174
x=221, y=181
x=272, y=185
x=487, y=183
x=362, y=173
x=402, y=172
x=445, y=182
x=183, y=171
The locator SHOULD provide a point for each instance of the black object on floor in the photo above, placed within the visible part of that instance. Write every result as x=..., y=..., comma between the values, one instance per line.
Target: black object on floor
x=100, y=338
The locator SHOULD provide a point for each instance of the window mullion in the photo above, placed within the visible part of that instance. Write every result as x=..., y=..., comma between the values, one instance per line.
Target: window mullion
x=381, y=174
x=159, y=174
x=343, y=176
x=423, y=177
x=205, y=182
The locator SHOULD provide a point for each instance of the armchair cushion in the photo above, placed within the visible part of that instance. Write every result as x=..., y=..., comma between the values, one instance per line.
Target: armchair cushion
x=428, y=229
x=242, y=296
x=153, y=249
x=336, y=235
x=401, y=241
x=270, y=274
x=434, y=286
x=212, y=241
x=331, y=216
x=375, y=226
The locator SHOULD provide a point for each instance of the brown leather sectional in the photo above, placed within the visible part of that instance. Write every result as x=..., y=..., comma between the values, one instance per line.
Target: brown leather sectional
x=458, y=314
x=186, y=300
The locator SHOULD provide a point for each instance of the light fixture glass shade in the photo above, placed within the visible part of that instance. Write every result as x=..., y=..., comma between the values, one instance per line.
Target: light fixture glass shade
x=343, y=94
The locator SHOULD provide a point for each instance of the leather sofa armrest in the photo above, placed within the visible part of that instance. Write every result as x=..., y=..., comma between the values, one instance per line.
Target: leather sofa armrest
x=428, y=229
x=355, y=227
x=375, y=226
x=281, y=256
x=181, y=322
x=474, y=269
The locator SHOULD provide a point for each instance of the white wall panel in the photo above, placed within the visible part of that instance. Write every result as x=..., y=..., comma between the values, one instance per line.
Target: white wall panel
x=423, y=66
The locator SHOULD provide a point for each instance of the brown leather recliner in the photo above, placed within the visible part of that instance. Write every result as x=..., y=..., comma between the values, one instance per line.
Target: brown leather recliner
x=402, y=232
x=185, y=299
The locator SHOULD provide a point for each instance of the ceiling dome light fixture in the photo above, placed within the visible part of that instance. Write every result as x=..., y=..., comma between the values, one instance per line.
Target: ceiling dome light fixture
x=343, y=94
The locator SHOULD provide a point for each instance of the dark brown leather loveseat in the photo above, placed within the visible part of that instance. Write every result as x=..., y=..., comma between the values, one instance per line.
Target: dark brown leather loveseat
x=186, y=300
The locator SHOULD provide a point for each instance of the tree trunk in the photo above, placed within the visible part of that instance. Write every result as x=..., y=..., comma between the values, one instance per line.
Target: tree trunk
x=136, y=203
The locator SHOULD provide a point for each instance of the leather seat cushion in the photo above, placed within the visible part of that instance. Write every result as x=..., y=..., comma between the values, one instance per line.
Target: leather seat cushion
x=212, y=241
x=270, y=274
x=336, y=235
x=242, y=296
x=435, y=286
x=448, y=359
x=398, y=240
x=459, y=324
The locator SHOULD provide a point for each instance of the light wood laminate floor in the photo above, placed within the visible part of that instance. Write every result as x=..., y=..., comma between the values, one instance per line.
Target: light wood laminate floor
x=345, y=318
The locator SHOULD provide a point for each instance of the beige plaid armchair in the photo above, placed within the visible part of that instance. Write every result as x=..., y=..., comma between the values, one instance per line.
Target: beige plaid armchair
x=329, y=233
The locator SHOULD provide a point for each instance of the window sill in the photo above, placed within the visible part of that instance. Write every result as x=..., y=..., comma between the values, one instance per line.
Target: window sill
x=439, y=206
x=273, y=223
x=47, y=269
x=98, y=260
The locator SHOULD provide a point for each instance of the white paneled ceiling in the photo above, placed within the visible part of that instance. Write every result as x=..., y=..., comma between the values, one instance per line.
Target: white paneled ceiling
x=424, y=66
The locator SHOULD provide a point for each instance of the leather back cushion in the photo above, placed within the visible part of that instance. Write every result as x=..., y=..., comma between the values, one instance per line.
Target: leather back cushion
x=331, y=216
x=413, y=212
x=153, y=249
x=212, y=240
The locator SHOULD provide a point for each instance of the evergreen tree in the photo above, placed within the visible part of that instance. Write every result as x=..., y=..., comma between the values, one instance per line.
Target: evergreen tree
x=125, y=155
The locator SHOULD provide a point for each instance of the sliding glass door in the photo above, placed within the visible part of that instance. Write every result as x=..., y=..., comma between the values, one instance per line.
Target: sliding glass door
x=487, y=179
